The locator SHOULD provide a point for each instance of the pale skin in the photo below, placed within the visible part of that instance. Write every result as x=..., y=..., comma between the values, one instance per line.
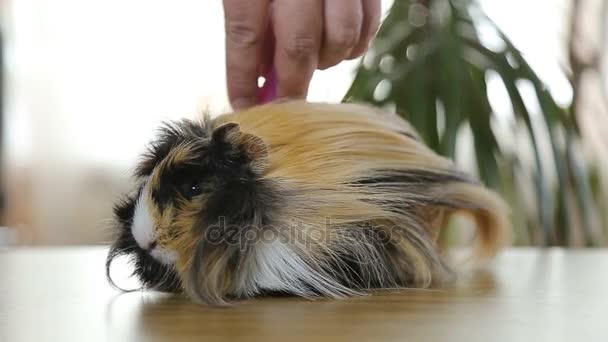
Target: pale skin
x=308, y=35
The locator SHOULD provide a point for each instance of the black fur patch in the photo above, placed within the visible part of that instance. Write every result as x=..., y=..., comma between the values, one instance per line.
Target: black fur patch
x=409, y=135
x=181, y=179
x=215, y=163
x=396, y=271
x=358, y=273
x=235, y=209
x=169, y=136
x=232, y=222
x=416, y=177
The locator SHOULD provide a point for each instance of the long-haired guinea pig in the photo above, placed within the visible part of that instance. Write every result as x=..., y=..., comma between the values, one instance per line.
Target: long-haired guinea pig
x=297, y=198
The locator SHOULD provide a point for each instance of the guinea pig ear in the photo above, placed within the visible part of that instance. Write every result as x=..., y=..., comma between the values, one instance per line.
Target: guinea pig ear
x=252, y=146
x=221, y=133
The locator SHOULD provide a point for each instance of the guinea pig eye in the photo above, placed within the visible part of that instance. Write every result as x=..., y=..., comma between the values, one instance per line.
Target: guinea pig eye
x=190, y=189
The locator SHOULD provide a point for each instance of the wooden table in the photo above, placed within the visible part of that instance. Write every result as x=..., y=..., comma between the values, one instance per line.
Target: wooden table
x=530, y=295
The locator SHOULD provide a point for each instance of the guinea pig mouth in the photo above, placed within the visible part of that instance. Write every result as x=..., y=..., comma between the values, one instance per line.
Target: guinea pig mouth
x=155, y=274
x=164, y=256
x=152, y=273
x=152, y=265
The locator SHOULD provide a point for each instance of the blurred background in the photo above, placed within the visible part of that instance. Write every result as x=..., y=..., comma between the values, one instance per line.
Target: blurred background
x=515, y=91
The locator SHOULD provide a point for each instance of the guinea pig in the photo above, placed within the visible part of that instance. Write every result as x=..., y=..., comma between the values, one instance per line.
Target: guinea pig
x=298, y=198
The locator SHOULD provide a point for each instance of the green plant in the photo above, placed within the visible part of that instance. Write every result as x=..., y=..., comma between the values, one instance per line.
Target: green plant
x=429, y=64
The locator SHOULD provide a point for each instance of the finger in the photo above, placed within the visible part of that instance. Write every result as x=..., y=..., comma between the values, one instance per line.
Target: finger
x=371, y=21
x=245, y=24
x=298, y=26
x=342, y=31
x=266, y=62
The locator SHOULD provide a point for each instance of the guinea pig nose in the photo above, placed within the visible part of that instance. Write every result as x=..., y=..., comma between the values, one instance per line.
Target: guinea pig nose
x=152, y=245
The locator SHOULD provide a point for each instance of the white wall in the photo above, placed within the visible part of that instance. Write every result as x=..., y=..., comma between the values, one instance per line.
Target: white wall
x=89, y=81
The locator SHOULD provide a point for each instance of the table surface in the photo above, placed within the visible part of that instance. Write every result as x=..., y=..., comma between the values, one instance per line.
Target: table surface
x=60, y=294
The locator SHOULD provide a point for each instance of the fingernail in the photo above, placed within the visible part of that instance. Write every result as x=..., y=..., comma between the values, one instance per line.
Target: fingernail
x=242, y=103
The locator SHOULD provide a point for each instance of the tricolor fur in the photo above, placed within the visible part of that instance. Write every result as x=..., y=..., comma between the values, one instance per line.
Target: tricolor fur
x=294, y=197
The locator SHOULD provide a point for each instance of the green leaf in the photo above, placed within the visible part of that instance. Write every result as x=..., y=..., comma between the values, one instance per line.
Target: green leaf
x=445, y=62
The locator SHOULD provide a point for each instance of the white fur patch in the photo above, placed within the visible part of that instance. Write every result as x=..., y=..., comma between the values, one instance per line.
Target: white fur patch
x=276, y=267
x=143, y=225
x=143, y=232
x=279, y=268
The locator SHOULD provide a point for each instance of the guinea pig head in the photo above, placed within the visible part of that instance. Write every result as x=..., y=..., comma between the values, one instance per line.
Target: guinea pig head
x=195, y=181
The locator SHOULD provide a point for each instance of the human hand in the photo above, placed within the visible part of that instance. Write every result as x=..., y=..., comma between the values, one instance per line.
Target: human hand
x=296, y=37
